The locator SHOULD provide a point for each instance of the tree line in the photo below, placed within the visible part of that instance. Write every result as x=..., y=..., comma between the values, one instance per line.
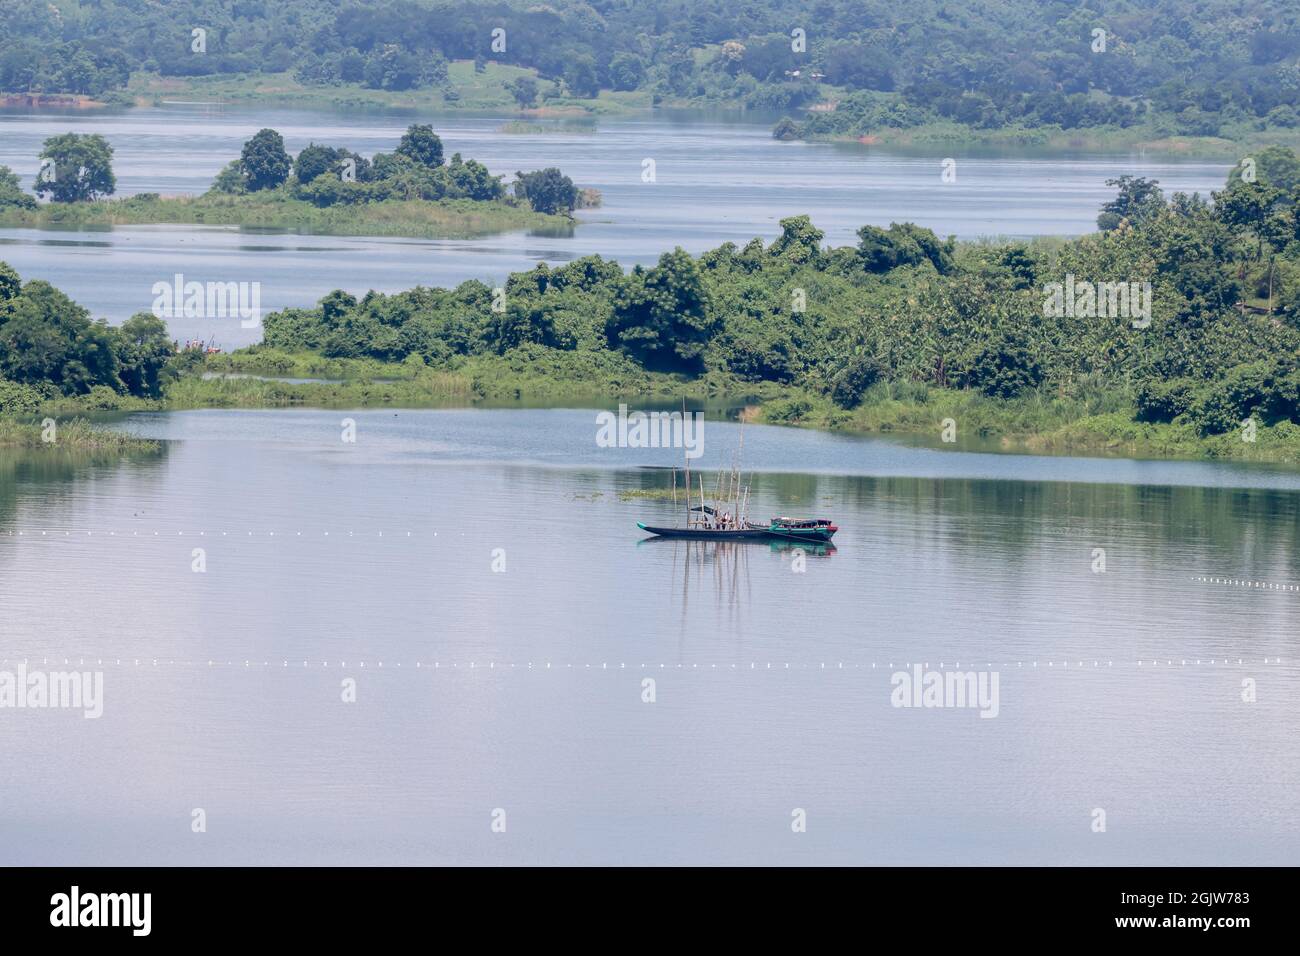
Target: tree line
x=78, y=167
x=901, y=307
x=1216, y=67
x=906, y=306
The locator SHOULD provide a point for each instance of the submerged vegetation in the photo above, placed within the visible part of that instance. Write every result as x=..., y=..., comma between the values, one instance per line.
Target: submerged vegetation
x=1175, y=330
x=76, y=435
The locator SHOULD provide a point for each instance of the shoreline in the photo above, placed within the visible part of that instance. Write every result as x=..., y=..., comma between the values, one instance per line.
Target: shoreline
x=421, y=219
x=1024, y=426
x=486, y=94
x=1052, y=141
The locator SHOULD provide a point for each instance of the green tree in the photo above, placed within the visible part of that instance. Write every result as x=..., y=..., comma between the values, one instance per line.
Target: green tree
x=1276, y=166
x=1139, y=200
x=421, y=145
x=855, y=376
x=580, y=76
x=662, y=316
x=144, y=353
x=76, y=168
x=10, y=283
x=11, y=191
x=785, y=129
x=470, y=179
x=265, y=163
x=626, y=71
x=547, y=190
x=1019, y=265
x=800, y=240
x=524, y=90
x=903, y=244
x=46, y=337
x=231, y=180
x=313, y=161
x=1004, y=367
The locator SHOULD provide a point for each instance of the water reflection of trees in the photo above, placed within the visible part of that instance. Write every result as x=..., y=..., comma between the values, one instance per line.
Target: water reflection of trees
x=1246, y=529
x=48, y=475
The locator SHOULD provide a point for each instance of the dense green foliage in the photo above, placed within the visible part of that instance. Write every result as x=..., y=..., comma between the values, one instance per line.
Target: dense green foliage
x=547, y=190
x=1212, y=348
x=264, y=162
x=327, y=175
x=81, y=171
x=1192, y=67
x=903, y=306
x=76, y=168
x=11, y=191
x=50, y=347
x=410, y=191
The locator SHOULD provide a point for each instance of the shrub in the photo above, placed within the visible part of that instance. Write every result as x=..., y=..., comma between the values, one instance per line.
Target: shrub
x=17, y=398
x=1163, y=401
x=852, y=381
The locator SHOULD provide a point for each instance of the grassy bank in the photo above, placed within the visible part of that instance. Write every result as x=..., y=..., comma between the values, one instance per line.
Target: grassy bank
x=75, y=434
x=1052, y=139
x=1037, y=423
x=465, y=89
x=263, y=377
x=445, y=219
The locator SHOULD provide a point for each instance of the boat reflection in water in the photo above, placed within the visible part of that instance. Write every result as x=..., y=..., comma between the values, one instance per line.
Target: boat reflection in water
x=722, y=567
x=816, y=549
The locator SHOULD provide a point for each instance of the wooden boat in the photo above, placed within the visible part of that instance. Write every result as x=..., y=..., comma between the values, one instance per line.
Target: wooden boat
x=811, y=530
x=726, y=519
x=705, y=523
x=817, y=530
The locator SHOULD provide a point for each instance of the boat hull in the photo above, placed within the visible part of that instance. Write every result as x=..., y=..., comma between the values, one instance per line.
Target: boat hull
x=702, y=534
x=752, y=533
x=814, y=535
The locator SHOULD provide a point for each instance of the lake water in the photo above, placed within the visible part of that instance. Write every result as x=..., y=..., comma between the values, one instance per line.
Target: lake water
x=715, y=181
x=480, y=576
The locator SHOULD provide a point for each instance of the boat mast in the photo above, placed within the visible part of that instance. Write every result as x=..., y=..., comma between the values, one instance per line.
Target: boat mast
x=740, y=452
x=687, y=459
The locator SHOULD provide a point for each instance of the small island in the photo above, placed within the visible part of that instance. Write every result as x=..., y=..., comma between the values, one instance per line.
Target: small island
x=324, y=189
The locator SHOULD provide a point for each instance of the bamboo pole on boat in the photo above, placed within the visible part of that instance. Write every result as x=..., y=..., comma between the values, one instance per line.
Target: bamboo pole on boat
x=687, y=459
x=727, y=499
x=688, y=492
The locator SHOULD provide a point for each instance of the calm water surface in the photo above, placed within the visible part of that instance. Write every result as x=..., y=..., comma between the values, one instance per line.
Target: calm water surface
x=522, y=688
x=715, y=181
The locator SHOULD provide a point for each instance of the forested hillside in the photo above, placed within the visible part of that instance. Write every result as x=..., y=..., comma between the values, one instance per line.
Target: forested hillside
x=1208, y=68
